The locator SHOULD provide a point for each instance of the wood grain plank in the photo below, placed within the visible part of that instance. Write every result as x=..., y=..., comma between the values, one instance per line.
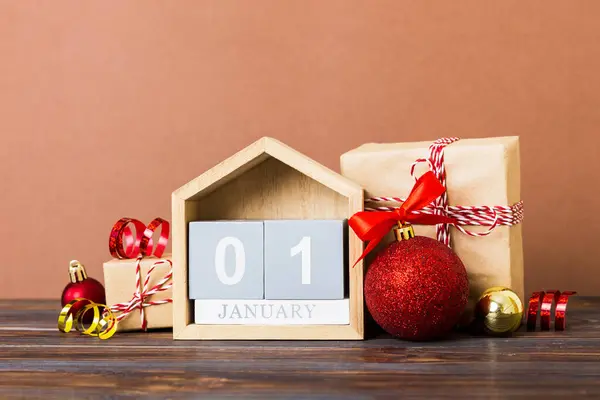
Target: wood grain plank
x=37, y=361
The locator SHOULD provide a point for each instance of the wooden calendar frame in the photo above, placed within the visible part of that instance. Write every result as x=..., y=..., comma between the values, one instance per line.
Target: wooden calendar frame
x=278, y=183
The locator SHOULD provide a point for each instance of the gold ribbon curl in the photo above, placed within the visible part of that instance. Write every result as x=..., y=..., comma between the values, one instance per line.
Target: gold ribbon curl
x=103, y=325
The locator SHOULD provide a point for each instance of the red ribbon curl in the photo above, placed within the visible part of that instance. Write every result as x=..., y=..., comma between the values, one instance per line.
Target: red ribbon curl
x=543, y=302
x=373, y=226
x=122, y=243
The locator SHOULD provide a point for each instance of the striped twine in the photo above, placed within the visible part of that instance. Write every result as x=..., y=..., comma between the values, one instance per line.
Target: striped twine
x=139, y=299
x=491, y=216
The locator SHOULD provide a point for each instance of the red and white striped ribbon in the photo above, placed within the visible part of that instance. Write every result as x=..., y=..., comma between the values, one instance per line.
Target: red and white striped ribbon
x=142, y=293
x=491, y=216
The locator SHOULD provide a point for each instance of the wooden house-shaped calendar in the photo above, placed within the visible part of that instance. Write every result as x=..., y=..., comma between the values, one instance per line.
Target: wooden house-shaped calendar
x=239, y=271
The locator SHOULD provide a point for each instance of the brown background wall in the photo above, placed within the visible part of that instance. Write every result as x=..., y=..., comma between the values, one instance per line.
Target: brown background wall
x=106, y=107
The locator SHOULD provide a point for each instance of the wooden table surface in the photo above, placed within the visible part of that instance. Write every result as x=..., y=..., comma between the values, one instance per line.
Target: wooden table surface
x=37, y=361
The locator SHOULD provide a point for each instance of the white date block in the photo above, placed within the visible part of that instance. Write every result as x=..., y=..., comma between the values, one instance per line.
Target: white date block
x=304, y=259
x=225, y=260
x=272, y=312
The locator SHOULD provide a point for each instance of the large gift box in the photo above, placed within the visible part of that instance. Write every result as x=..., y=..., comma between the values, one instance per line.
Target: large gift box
x=123, y=289
x=478, y=172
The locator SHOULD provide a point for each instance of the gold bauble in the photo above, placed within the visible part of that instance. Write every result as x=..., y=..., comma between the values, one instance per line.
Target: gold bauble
x=500, y=310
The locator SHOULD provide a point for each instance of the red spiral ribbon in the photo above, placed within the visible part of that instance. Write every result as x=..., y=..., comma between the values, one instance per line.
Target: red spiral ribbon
x=543, y=302
x=122, y=243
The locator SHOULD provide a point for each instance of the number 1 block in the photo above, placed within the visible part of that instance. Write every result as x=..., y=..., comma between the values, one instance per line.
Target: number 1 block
x=304, y=259
x=226, y=260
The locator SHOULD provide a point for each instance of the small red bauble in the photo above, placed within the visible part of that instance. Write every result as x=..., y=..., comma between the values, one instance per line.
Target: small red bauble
x=416, y=289
x=82, y=287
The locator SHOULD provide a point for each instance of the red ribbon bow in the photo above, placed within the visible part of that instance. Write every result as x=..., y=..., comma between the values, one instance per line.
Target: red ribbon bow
x=373, y=226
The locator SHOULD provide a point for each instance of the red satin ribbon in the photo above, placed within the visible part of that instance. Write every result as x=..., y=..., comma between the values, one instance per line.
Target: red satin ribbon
x=122, y=243
x=373, y=226
x=543, y=301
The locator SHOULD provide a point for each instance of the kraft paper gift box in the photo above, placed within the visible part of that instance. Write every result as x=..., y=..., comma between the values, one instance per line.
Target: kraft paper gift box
x=478, y=172
x=120, y=286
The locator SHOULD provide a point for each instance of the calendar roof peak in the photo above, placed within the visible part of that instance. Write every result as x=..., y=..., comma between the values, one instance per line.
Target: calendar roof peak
x=258, y=152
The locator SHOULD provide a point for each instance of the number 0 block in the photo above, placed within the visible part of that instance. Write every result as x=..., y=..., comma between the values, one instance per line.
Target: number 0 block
x=304, y=259
x=226, y=260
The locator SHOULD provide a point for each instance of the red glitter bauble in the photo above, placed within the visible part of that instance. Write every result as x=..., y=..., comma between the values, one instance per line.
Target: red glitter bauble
x=416, y=289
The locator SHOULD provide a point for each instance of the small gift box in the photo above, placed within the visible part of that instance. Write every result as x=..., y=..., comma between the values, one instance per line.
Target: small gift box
x=138, y=280
x=129, y=291
x=482, y=177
